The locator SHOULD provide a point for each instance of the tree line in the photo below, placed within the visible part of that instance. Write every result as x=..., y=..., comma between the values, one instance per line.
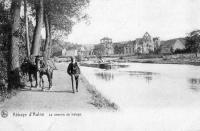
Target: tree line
x=25, y=26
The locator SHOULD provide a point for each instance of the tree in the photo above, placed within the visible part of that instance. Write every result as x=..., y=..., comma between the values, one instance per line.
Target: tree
x=5, y=30
x=59, y=18
x=48, y=35
x=99, y=50
x=39, y=23
x=26, y=27
x=193, y=42
x=14, y=47
x=118, y=49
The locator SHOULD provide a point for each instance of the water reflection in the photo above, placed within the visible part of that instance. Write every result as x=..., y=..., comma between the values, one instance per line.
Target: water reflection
x=109, y=66
x=194, y=84
x=148, y=76
x=107, y=76
x=105, y=66
x=122, y=66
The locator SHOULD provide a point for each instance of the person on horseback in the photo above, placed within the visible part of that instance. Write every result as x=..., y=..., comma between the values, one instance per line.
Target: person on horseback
x=74, y=71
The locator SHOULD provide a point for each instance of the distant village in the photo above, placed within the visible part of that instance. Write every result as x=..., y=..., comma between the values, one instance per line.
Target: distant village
x=144, y=45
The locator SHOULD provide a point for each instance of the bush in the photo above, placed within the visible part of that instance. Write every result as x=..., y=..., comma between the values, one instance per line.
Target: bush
x=179, y=51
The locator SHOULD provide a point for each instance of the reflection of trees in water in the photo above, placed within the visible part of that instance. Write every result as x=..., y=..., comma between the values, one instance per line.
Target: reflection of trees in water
x=195, y=83
x=148, y=76
x=110, y=66
x=105, y=75
x=122, y=66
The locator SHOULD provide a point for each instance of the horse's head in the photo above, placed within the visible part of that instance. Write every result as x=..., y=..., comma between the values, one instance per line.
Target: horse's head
x=40, y=62
x=25, y=66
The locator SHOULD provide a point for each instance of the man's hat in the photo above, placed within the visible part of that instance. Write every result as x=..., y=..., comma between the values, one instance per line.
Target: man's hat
x=72, y=57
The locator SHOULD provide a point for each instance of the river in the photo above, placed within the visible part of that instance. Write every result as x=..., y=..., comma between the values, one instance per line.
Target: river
x=152, y=96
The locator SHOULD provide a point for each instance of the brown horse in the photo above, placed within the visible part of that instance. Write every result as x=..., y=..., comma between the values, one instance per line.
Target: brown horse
x=30, y=68
x=37, y=67
x=45, y=68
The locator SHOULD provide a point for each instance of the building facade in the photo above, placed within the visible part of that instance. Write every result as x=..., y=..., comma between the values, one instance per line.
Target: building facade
x=129, y=47
x=105, y=47
x=170, y=46
x=83, y=51
x=108, y=47
x=118, y=48
x=144, y=45
x=72, y=52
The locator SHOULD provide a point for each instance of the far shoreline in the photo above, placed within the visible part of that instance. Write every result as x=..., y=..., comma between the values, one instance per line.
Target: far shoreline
x=181, y=59
x=150, y=61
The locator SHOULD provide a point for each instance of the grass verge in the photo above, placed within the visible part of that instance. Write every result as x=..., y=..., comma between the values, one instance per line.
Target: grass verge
x=97, y=99
x=7, y=95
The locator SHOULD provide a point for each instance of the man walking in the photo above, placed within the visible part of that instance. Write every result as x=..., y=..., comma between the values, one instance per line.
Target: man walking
x=74, y=71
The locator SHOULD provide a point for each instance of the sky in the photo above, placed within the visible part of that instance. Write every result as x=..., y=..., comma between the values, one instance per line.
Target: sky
x=124, y=20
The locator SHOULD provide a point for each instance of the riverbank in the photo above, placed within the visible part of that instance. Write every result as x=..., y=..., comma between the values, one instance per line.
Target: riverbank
x=189, y=59
x=60, y=97
x=97, y=99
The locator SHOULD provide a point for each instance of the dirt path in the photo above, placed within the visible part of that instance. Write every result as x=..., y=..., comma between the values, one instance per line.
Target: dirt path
x=58, y=98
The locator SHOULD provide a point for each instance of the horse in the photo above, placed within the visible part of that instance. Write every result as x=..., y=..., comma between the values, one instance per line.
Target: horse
x=38, y=68
x=30, y=68
x=46, y=68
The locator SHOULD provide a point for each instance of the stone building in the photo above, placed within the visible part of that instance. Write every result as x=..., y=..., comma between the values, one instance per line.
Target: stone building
x=170, y=46
x=85, y=52
x=71, y=52
x=106, y=40
x=156, y=41
x=105, y=47
x=107, y=43
x=129, y=47
x=144, y=45
x=118, y=48
x=99, y=49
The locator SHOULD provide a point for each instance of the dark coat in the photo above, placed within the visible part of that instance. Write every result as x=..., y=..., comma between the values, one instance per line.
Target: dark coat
x=73, y=69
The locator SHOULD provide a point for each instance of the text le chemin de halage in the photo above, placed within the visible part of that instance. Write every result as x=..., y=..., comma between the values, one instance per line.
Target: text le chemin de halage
x=44, y=114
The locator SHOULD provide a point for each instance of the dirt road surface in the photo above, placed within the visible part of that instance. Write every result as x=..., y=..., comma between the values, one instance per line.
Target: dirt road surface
x=59, y=98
